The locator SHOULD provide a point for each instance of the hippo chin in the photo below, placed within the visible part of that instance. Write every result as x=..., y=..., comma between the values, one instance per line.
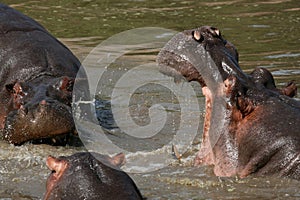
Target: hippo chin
x=250, y=126
x=37, y=74
x=89, y=176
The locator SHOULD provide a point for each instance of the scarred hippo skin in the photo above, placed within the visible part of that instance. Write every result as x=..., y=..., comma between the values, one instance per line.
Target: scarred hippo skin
x=84, y=176
x=37, y=73
x=250, y=126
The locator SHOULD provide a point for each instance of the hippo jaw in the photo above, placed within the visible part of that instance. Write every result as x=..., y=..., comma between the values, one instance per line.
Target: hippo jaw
x=202, y=55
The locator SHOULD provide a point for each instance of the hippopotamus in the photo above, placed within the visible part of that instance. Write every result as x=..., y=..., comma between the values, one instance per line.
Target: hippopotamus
x=37, y=73
x=250, y=126
x=90, y=176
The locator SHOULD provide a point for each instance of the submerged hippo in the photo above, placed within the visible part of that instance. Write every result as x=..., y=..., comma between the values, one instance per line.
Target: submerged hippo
x=84, y=176
x=250, y=126
x=37, y=74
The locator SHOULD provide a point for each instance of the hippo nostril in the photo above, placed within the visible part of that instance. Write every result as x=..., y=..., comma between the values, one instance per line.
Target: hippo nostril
x=43, y=102
x=43, y=106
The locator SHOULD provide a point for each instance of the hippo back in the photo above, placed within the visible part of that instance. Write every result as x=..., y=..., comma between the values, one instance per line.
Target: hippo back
x=27, y=50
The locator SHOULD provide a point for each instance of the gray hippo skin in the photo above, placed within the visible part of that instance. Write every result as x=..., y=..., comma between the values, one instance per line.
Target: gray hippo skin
x=37, y=73
x=250, y=126
x=85, y=176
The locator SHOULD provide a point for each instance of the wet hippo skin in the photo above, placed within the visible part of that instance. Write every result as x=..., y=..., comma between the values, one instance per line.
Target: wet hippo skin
x=36, y=78
x=85, y=176
x=250, y=127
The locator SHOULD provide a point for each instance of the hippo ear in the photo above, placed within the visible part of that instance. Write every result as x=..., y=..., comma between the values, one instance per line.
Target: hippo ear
x=234, y=90
x=215, y=31
x=197, y=36
x=290, y=89
x=13, y=87
x=66, y=84
x=229, y=85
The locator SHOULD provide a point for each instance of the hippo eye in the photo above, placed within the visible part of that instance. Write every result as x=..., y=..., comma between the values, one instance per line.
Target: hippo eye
x=197, y=36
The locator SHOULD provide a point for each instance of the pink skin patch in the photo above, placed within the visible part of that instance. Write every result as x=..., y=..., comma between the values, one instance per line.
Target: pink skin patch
x=57, y=167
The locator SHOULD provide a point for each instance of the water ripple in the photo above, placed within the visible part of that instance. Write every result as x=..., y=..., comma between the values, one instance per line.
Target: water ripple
x=285, y=55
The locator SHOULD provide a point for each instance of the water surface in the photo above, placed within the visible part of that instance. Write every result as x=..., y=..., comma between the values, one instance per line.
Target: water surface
x=266, y=34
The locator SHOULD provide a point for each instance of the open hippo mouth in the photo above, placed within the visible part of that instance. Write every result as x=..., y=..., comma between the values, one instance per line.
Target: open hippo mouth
x=202, y=55
x=249, y=124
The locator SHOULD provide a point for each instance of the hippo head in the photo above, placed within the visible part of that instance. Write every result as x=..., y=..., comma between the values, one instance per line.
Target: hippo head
x=40, y=108
x=179, y=55
x=203, y=55
x=89, y=176
x=235, y=101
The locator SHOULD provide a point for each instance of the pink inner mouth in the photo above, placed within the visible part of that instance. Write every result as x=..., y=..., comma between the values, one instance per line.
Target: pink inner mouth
x=205, y=155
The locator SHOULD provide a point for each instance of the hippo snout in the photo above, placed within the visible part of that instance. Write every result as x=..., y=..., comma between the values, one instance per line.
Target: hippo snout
x=41, y=120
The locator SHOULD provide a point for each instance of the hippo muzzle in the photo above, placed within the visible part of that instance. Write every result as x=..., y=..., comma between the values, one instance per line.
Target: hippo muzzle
x=41, y=109
x=22, y=125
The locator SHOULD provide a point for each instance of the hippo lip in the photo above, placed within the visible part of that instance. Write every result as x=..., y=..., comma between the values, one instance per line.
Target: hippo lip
x=57, y=167
x=178, y=68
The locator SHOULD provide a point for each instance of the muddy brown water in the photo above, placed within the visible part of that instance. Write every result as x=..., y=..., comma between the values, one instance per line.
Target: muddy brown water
x=266, y=34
